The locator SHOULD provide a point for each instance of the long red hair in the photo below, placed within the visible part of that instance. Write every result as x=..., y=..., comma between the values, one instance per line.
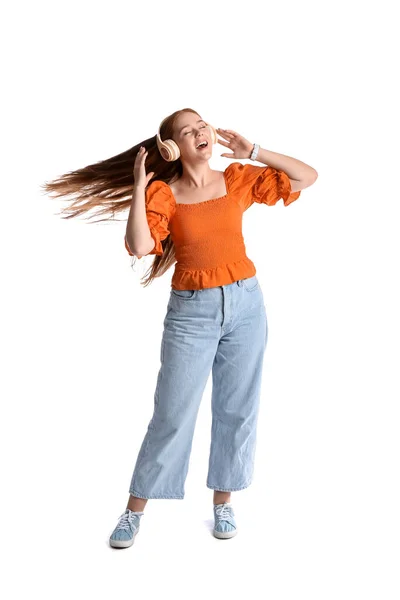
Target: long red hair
x=108, y=184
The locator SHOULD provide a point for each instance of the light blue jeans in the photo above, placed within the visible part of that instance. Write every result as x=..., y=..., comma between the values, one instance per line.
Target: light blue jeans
x=224, y=330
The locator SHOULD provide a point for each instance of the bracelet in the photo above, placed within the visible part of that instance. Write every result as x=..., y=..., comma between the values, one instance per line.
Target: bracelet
x=256, y=148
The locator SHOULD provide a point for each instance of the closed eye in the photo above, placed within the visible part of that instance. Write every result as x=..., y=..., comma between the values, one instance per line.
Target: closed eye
x=190, y=131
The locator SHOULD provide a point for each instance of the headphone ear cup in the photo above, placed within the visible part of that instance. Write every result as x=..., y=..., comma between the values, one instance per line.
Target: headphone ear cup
x=169, y=150
x=213, y=133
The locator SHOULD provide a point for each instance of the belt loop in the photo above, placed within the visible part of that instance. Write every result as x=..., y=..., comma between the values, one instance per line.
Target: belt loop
x=239, y=282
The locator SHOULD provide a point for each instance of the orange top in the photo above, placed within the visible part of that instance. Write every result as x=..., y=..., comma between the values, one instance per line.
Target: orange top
x=209, y=246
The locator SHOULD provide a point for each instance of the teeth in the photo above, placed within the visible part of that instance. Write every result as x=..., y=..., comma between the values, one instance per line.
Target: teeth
x=202, y=144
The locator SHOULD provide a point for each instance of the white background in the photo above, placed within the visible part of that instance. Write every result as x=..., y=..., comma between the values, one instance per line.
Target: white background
x=81, y=336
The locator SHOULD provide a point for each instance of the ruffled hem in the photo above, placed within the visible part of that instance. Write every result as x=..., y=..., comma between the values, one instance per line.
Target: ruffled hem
x=285, y=189
x=158, y=249
x=214, y=277
x=273, y=186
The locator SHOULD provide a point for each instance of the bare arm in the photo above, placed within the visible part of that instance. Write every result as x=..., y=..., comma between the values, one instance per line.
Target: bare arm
x=300, y=174
x=138, y=235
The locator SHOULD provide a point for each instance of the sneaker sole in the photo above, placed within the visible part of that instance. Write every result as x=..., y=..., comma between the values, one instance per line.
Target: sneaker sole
x=124, y=543
x=224, y=534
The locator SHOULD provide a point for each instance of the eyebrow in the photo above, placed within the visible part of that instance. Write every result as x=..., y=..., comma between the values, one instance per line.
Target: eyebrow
x=182, y=128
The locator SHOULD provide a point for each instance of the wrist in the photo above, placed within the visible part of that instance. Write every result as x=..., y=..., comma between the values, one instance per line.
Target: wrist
x=138, y=187
x=254, y=152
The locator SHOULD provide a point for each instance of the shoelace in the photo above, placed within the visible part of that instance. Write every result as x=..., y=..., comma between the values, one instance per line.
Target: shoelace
x=126, y=520
x=224, y=513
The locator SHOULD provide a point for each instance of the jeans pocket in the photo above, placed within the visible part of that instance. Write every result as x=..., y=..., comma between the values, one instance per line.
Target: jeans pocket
x=185, y=294
x=250, y=283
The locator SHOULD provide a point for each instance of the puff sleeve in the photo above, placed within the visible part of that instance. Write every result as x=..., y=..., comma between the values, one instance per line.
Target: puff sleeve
x=159, y=211
x=264, y=185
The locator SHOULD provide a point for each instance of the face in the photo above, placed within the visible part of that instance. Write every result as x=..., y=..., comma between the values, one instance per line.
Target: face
x=189, y=131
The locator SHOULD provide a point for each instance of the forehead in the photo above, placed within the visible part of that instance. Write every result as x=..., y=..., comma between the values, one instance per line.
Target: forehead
x=187, y=119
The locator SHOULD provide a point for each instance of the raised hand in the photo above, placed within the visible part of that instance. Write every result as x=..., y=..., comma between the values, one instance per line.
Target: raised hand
x=241, y=147
x=139, y=171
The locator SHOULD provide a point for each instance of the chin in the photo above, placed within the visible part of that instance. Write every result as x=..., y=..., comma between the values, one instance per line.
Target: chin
x=207, y=152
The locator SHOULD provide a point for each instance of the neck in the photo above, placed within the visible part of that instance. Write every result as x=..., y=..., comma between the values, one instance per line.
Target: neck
x=197, y=175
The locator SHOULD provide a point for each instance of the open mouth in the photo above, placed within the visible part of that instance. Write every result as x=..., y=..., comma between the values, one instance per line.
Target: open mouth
x=202, y=146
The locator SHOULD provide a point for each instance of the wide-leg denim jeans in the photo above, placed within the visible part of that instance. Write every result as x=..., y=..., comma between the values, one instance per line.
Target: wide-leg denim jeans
x=224, y=330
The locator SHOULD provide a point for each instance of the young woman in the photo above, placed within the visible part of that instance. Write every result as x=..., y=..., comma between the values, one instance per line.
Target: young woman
x=191, y=216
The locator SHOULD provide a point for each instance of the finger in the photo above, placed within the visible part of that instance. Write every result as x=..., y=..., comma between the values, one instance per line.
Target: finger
x=227, y=137
x=226, y=132
x=226, y=144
